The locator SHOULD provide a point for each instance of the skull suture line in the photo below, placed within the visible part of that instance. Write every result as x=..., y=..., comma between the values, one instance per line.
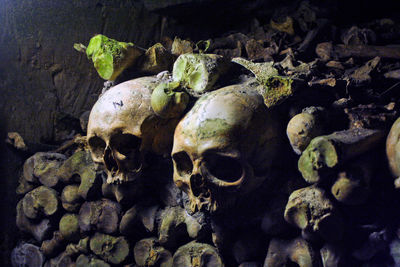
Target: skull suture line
x=122, y=128
x=224, y=147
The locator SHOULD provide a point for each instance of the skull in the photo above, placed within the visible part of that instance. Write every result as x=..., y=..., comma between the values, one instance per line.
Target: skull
x=123, y=129
x=224, y=147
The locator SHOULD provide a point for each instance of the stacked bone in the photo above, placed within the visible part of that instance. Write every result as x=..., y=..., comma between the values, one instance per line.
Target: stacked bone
x=237, y=195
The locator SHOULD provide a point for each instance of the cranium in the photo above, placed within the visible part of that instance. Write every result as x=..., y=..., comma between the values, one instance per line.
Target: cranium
x=123, y=128
x=224, y=147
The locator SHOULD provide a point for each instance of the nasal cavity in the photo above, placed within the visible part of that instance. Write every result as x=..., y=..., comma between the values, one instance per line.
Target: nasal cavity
x=109, y=161
x=196, y=184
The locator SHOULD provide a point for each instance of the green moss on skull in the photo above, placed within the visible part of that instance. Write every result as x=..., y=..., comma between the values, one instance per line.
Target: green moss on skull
x=212, y=127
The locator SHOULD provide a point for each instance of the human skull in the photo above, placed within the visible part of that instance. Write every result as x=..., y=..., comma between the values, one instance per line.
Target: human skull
x=123, y=128
x=224, y=147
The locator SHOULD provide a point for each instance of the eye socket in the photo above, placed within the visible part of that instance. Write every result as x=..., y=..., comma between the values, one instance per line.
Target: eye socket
x=224, y=168
x=97, y=146
x=125, y=143
x=184, y=165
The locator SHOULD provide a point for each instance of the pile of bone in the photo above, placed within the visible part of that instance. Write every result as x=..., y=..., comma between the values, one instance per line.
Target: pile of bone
x=115, y=203
x=210, y=166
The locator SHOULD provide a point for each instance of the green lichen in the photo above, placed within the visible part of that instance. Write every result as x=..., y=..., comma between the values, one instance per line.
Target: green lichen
x=212, y=127
x=110, y=57
x=319, y=155
x=275, y=89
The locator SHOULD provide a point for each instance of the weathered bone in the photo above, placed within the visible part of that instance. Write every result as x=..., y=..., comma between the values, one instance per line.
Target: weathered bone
x=303, y=127
x=288, y=252
x=81, y=166
x=312, y=211
x=123, y=129
x=70, y=198
x=102, y=215
x=111, y=249
x=393, y=151
x=196, y=254
x=224, y=147
x=329, y=151
x=54, y=246
x=42, y=167
x=39, y=231
x=25, y=254
x=40, y=202
x=69, y=227
x=149, y=253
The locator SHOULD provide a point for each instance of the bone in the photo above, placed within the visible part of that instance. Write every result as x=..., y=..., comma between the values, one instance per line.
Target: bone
x=327, y=51
x=40, y=202
x=39, y=230
x=312, y=211
x=110, y=248
x=102, y=215
x=62, y=260
x=143, y=133
x=210, y=135
x=169, y=100
x=81, y=166
x=291, y=252
x=24, y=186
x=197, y=254
x=28, y=255
x=138, y=219
x=126, y=194
x=148, y=252
x=326, y=152
x=42, y=167
x=54, y=246
x=91, y=261
x=333, y=256
x=176, y=226
x=76, y=248
x=70, y=198
x=155, y=60
x=69, y=227
x=180, y=47
x=352, y=185
x=393, y=151
x=303, y=127
x=199, y=72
